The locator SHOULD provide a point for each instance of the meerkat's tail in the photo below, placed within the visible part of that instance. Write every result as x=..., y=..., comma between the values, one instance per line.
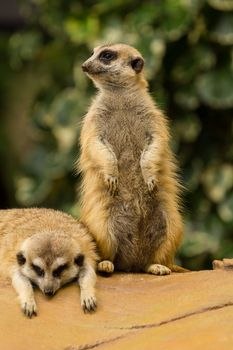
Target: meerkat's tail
x=176, y=268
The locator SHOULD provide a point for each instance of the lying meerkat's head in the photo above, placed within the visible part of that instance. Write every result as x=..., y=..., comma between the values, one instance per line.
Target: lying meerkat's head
x=50, y=260
x=116, y=66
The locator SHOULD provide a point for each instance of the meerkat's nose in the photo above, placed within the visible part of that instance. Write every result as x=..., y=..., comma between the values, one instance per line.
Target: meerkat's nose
x=84, y=67
x=48, y=292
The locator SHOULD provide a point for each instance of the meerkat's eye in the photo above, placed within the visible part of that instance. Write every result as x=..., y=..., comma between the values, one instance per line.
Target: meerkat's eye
x=58, y=271
x=107, y=56
x=39, y=271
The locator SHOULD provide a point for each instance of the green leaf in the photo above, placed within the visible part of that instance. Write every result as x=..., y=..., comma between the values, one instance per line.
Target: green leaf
x=222, y=32
x=187, y=98
x=199, y=242
x=192, y=180
x=217, y=180
x=188, y=128
x=193, y=61
x=176, y=16
x=80, y=30
x=225, y=209
x=145, y=14
x=153, y=49
x=223, y=5
x=66, y=106
x=225, y=250
x=24, y=46
x=216, y=88
x=32, y=191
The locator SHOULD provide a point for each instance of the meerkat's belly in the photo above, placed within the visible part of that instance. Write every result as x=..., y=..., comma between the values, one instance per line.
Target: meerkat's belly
x=127, y=136
x=139, y=232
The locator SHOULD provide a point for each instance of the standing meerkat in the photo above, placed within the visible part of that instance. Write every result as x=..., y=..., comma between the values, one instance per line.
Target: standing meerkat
x=48, y=248
x=130, y=191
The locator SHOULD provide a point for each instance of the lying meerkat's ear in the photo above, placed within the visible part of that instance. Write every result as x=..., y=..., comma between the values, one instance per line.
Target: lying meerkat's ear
x=137, y=64
x=79, y=259
x=20, y=258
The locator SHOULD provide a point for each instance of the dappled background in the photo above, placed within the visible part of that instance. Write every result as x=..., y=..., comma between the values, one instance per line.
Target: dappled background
x=188, y=48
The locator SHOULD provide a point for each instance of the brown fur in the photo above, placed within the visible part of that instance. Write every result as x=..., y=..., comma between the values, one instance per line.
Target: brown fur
x=130, y=191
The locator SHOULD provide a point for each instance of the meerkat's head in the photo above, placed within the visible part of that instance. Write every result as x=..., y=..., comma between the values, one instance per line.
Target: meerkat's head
x=50, y=260
x=116, y=66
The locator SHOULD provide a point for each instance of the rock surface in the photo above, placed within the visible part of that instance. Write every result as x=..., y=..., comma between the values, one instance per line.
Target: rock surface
x=135, y=311
x=225, y=264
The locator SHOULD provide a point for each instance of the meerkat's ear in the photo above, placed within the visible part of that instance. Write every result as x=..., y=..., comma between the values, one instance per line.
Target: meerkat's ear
x=137, y=64
x=20, y=258
x=79, y=259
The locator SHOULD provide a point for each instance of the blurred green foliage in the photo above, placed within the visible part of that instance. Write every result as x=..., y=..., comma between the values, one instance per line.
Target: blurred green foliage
x=188, y=48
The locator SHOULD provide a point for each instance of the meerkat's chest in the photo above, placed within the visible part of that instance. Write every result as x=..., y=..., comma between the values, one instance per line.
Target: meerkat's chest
x=125, y=130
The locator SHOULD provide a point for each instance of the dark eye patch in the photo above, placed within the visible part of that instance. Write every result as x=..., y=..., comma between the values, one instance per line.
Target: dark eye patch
x=38, y=270
x=20, y=259
x=107, y=56
x=58, y=271
x=79, y=260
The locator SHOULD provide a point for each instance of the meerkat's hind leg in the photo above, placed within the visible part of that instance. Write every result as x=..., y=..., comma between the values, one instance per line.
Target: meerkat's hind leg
x=87, y=280
x=105, y=266
x=157, y=269
x=24, y=290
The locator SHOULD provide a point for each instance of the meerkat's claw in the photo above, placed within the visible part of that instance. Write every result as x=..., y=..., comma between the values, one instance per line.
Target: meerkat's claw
x=112, y=183
x=151, y=183
x=157, y=269
x=29, y=308
x=105, y=266
x=89, y=304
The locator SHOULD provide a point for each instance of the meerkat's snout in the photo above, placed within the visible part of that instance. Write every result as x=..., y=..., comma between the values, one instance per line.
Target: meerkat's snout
x=49, y=285
x=85, y=68
x=48, y=292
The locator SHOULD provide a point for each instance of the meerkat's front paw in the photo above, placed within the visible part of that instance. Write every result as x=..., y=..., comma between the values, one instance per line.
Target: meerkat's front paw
x=151, y=183
x=105, y=266
x=29, y=308
x=88, y=302
x=157, y=269
x=112, y=184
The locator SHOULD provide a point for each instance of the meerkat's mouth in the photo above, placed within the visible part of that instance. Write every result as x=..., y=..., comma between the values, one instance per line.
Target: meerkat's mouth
x=90, y=71
x=97, y=72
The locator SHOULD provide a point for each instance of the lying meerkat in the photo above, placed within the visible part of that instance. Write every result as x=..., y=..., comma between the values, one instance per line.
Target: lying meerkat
x=48, y=248
x=130, y=191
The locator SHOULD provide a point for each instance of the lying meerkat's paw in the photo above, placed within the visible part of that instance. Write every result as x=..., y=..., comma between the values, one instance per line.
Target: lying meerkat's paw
x=157, y=269
x=88, y=303
x=105, y=266
x=29, y=308
x=112, y=184
x=151, y=183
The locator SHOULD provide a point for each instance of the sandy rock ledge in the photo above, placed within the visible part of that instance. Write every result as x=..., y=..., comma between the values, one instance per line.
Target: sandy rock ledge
x=135, y=311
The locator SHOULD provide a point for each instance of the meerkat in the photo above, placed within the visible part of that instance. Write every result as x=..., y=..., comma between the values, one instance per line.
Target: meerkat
x=49, y=249
x=130, y=189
